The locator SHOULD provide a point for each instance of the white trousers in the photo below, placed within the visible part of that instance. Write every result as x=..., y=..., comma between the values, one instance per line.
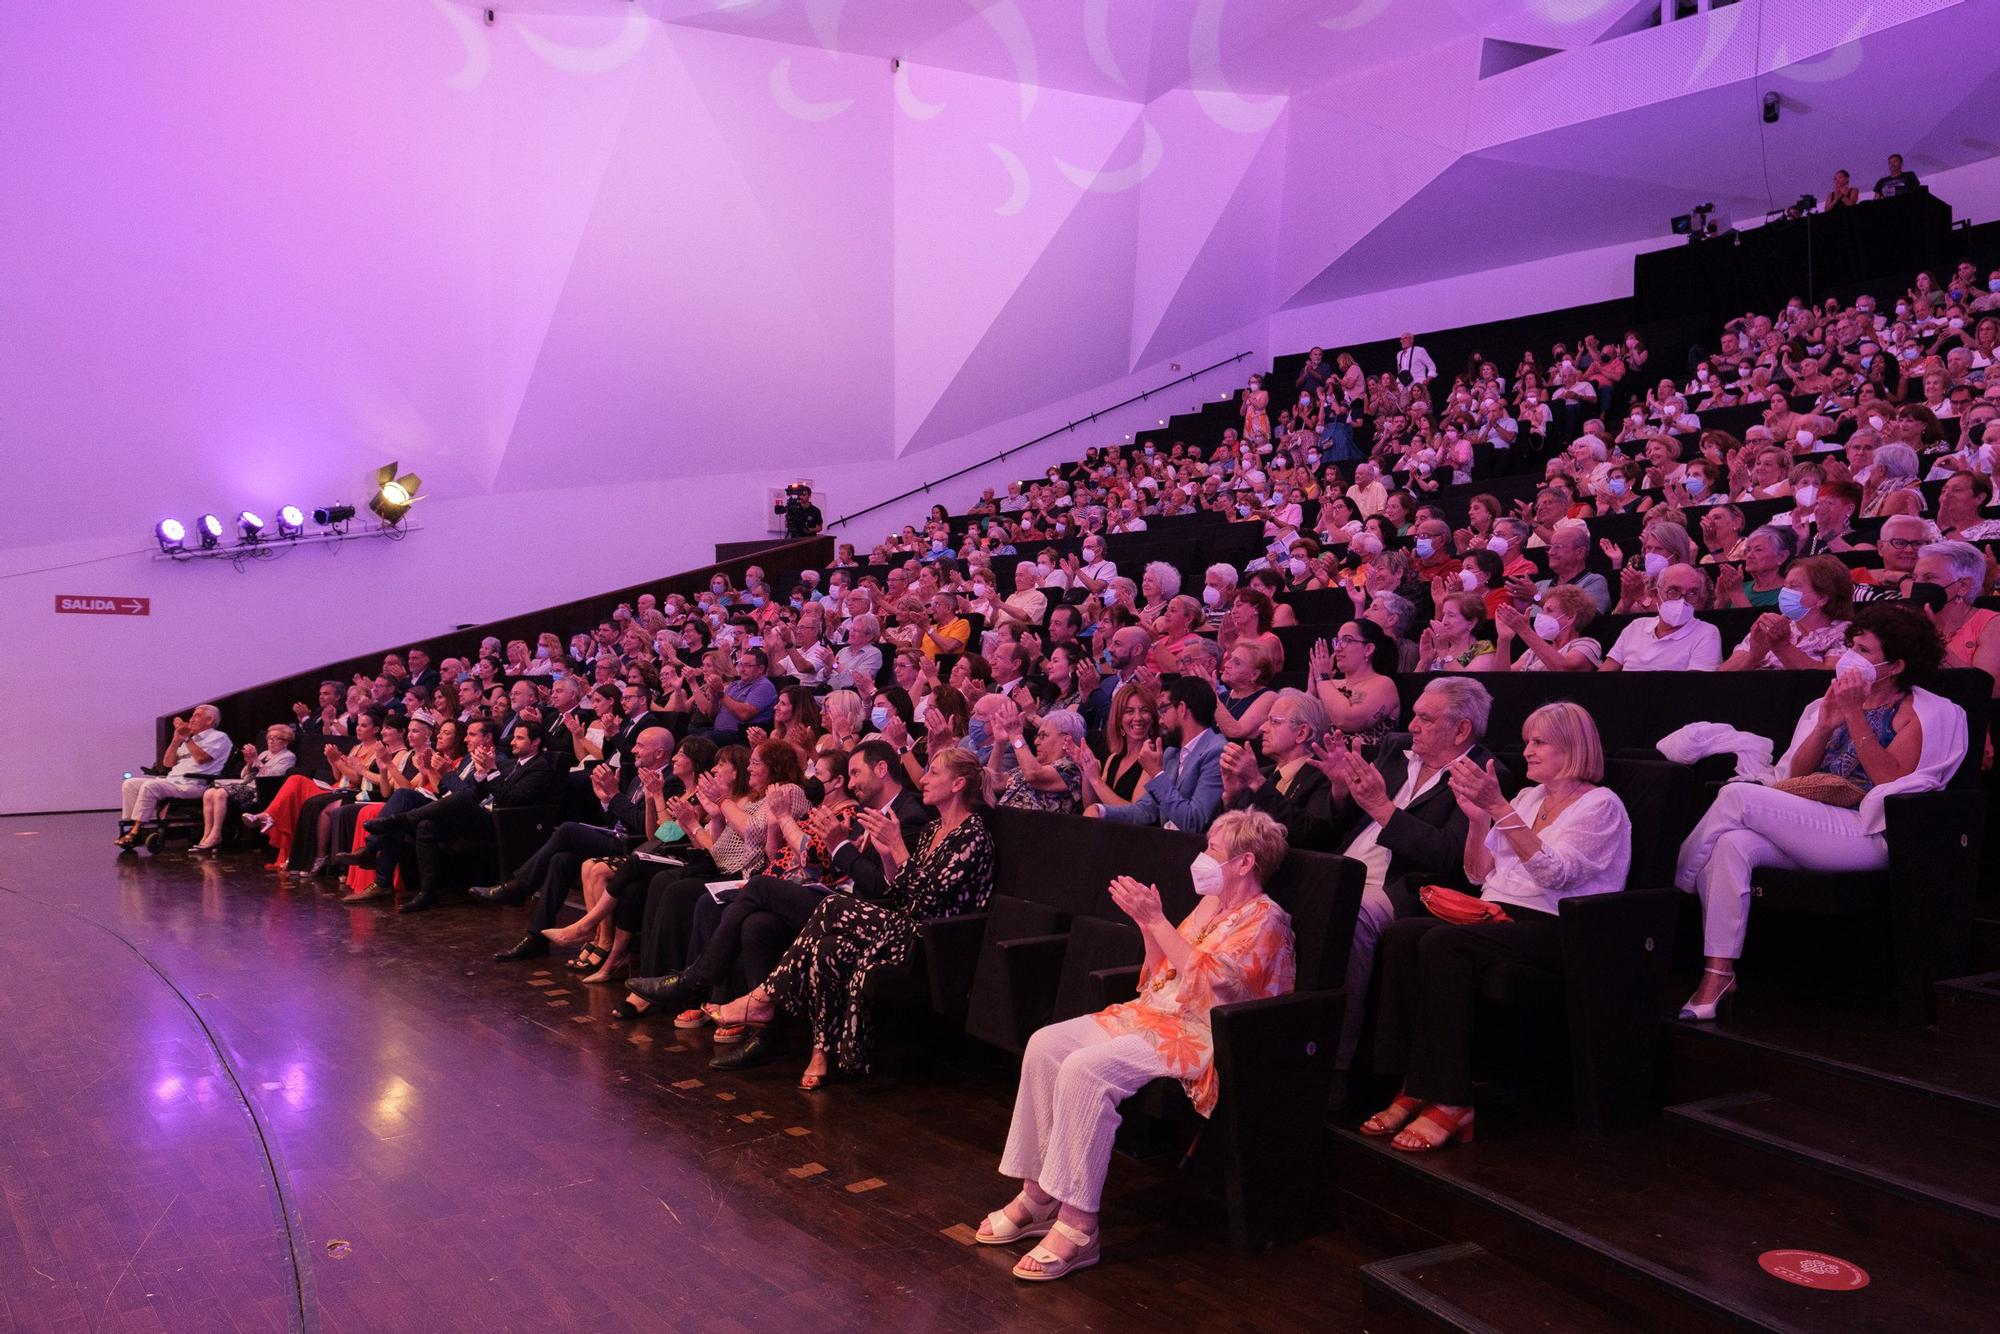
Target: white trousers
x=1374, y=918
x=140, y=797
x=1751, y=825
x=1073, y=1076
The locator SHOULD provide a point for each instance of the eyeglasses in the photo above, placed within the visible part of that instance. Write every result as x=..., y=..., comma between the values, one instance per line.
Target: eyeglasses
x=1904, y=543
x=1348, y=641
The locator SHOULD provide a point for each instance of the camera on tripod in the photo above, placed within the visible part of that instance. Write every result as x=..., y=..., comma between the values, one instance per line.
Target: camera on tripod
x=802, y=517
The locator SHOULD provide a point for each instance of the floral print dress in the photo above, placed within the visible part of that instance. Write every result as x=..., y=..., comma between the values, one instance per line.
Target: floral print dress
x=822, y=975
x=1245, y=954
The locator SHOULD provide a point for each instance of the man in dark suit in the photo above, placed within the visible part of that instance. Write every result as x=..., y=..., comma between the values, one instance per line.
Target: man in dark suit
x=764, y=917
x=1401, y=820
x=1287, y=786
x=423, y=676
x=390, y=845
x=549, y=875
x=460, y=821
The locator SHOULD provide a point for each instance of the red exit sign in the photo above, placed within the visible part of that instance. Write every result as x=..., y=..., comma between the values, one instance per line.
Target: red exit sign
x=74, y=605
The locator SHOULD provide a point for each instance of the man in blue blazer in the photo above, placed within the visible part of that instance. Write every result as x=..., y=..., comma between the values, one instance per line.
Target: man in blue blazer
x=1187, y=791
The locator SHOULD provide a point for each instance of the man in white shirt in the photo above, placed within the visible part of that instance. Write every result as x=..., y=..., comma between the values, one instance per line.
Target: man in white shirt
x=1406, y=820
x=1094, y=572
x=196, y=754
x=1673, y=640
x=1413, y=364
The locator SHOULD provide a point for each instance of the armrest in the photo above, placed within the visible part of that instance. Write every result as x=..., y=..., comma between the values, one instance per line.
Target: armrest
x=951, y=955
x=519, y=831
x=1616, y=951
x=1115, y=984
x=1259, y=1038
x=1935, y=840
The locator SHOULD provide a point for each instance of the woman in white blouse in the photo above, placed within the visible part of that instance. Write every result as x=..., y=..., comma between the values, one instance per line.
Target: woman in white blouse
x=1562, y=837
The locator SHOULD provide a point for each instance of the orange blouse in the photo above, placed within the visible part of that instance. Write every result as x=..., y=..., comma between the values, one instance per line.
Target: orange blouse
x=1245, y=954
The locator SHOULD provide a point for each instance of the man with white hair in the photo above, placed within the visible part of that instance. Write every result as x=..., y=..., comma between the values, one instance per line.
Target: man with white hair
x=196, y=754
x=1218, y=589
x=1414, y=365
x=1401, y=820
x=1367, y=495
x=1902, y=538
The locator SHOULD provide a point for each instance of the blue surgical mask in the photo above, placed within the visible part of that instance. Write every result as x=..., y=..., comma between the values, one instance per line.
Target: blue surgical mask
x=1616, y=486
x=1695, y=486
x=1792, y=604
x=879, y=715
x=1425, y=548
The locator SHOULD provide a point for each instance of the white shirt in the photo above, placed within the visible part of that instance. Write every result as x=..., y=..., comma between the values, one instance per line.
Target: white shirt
x=1370, y=853
x=1586, y=849
x=214, y=743
x=1102, y=570
x=1417, y=362
x=1695, y=647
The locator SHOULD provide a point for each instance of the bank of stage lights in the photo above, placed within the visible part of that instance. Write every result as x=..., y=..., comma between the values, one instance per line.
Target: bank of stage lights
x=390, y=503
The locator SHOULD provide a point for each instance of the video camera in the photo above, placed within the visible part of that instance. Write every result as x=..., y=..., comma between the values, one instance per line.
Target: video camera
x=802, y=517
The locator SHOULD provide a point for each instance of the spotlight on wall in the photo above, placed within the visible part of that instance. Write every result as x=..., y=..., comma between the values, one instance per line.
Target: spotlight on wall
x=291, y=521
x=210, y=527
x=251, y=526
x=332, y=516
x=1771, y=101
x=172, y=534
x=393, y=495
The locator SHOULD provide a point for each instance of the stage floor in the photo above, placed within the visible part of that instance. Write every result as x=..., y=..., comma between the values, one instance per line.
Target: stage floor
x=444, y=1143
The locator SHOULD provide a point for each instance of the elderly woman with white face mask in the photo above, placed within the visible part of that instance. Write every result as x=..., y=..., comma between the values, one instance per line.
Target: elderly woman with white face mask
x=1235, y=946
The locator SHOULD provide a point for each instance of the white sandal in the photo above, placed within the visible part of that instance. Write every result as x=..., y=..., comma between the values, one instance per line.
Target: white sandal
x=1054, y=1266
x=1002, y=1230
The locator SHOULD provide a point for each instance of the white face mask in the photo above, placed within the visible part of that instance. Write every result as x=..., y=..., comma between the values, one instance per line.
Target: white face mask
x=1206, y=872
x=1655, y=562
x=1676, y=612
x=1468, y=579
x=1211, y=596
x=1851, y=661
x=1807, y=494
x=1547, y=626
x=1497, y=545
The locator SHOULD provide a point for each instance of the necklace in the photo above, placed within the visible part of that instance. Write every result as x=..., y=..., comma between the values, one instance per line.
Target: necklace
x=1551, y=809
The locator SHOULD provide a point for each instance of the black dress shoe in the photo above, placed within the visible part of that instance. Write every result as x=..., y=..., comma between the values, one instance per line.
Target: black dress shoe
x=422, y=901
x=386, y=824
x=760, y=1048
x=506, y=892
x=347, y=860
x=676, y=991
x=531, y=947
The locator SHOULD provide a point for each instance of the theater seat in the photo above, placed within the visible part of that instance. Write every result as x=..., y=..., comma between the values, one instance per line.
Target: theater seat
x=1020, y=961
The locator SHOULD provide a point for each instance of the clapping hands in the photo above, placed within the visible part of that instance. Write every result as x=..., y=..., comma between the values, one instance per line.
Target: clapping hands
x=1477, y=789
x=1140, y=902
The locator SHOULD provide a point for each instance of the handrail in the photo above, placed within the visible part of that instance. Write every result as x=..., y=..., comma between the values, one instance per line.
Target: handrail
x=1030, y=444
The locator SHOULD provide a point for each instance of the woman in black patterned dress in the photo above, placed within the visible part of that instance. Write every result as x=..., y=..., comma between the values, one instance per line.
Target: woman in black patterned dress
x=821, y=977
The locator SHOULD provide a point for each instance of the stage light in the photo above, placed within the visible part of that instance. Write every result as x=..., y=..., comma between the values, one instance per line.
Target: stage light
x=211, y=531
x=250, y=525
x=330, y=516
x=291, y=521
x=172, y=534
x=393, y=495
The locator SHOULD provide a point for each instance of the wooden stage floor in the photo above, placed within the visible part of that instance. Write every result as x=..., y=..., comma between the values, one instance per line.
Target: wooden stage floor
x=230, y=1103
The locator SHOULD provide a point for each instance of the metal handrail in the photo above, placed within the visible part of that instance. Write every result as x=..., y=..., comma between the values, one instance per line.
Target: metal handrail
x=924, y=489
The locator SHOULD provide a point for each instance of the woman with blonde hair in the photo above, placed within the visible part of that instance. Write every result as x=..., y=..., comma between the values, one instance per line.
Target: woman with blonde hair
x=1562, y=837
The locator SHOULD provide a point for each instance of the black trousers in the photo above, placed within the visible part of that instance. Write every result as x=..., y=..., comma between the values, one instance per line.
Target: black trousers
x=394, y=850
x=1430, y=973
x=753, y=929
x=447, y=830
x=558, y=864
x=305, y=831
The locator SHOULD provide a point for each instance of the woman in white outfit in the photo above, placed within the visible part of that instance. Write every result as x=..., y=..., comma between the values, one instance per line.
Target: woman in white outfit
x=1873, y=730
x=1235, y=946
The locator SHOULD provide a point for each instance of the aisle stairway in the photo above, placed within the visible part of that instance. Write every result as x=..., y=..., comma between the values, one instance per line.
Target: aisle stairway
x=1788, y=1127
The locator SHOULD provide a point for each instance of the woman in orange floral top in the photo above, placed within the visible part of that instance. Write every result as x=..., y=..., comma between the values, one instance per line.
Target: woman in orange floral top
x=1235, y=946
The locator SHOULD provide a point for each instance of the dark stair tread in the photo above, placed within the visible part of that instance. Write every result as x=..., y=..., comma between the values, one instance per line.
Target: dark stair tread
x=1624, y=1197
x=1863, y=1045
x=1950, y=1163
x=1467, y=1287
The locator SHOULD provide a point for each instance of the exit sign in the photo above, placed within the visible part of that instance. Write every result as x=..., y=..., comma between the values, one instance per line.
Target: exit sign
x=73, y=605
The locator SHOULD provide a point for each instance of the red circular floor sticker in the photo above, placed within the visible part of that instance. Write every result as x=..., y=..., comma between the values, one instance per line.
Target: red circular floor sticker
x=1813, y=1269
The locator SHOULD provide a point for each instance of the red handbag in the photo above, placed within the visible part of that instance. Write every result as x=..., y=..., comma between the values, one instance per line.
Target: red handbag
x=1449, y=905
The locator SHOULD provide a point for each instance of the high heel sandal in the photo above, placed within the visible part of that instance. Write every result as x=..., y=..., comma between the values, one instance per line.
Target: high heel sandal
x=1703, y=1014
x=1456, y=1128
x=626, y=1010
x=1393, y=1117
x=1001, y=1230
x=588, y=959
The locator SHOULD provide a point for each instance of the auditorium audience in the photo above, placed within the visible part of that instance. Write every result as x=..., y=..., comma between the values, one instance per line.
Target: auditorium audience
x=1186, y=793
x=274, y=761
